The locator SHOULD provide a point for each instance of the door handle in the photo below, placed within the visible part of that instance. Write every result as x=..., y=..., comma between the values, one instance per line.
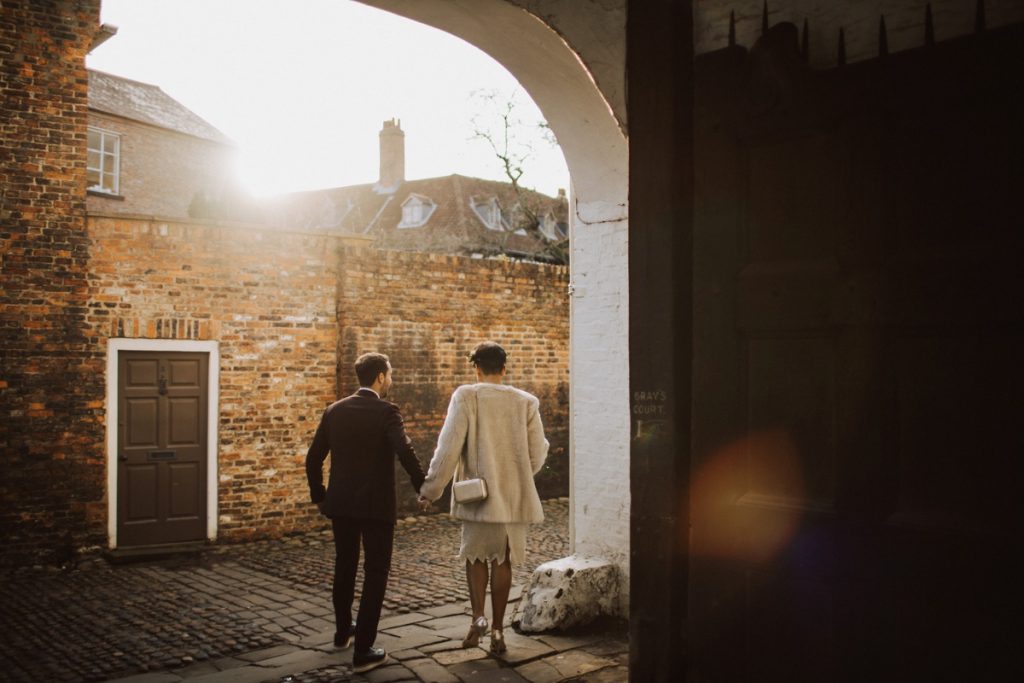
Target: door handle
x=123, y=458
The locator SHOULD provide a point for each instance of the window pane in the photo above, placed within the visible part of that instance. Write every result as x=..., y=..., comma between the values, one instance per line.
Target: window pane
x=110, y=144
x=108, y=164
x=94, y=159
x=92, y=178
x=94, y=139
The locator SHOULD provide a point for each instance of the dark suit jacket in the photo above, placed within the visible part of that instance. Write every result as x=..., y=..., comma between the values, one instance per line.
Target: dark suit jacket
x=362, y=433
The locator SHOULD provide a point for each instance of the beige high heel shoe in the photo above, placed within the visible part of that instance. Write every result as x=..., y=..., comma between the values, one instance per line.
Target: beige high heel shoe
x=498, y=642
x=476, y=629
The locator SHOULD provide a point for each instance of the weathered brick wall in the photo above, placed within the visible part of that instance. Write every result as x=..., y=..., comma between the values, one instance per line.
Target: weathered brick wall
x=51, y=426
x=427, y=311
x=161, y=170
x=291, y=311
x=268, y=297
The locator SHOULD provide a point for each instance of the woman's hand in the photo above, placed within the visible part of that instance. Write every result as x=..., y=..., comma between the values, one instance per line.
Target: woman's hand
x=424, y=503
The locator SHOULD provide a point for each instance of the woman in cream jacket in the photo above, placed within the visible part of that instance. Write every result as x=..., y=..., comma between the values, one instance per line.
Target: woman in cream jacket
x=492, y=431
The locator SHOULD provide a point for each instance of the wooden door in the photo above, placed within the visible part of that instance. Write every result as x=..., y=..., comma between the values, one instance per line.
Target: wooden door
x=161, y=449
x=858, y=327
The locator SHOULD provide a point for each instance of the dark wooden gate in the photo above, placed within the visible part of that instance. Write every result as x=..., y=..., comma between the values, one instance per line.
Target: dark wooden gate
x=857, y=392
x=161, y=448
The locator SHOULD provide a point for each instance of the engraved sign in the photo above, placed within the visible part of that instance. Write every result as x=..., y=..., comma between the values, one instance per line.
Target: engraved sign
x=649, y=413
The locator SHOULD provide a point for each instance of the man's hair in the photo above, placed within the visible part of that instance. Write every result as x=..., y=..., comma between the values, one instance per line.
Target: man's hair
x=489, y=357
x=368, y=366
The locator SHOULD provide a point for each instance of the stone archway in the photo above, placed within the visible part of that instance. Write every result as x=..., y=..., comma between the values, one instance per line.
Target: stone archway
x=586, y=120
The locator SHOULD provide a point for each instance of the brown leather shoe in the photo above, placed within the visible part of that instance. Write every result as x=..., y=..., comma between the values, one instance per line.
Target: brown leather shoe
x=371, y=659
x=346, y=642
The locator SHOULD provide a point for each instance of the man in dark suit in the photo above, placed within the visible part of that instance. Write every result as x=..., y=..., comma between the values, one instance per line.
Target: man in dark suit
x=362, y=432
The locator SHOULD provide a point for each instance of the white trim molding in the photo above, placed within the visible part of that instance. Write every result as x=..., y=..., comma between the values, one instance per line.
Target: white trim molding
x=114, y=347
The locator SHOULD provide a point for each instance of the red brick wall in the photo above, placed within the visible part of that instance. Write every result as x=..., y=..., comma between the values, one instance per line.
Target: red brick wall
x=268, y=297
x=161, y=170
x=281, y=304
x=428, y=311
x=51, y=426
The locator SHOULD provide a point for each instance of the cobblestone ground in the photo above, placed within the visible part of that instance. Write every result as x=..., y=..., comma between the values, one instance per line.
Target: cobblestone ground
x=101, y=621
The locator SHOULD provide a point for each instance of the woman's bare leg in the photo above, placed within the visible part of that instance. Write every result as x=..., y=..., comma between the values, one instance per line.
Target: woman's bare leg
x=501, y=584
x=476, y=577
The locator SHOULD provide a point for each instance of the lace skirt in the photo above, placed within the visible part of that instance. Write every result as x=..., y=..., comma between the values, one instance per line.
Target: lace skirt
x=486, y=541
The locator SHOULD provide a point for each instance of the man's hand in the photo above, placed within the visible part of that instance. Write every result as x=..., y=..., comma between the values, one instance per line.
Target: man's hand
x=424, y=504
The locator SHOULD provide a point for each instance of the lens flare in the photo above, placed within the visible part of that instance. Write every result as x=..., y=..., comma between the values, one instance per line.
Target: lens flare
x=746, y=498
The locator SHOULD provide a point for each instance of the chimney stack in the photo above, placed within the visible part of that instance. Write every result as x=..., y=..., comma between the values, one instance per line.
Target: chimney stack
x=392, y=156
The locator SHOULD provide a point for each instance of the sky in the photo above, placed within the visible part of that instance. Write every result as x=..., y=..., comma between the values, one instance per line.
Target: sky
x=303, y=86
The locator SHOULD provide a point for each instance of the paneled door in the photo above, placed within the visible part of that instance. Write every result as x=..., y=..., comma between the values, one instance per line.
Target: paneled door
x=161, y=447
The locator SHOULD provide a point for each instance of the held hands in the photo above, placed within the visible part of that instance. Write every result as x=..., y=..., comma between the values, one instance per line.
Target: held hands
x=423, y=503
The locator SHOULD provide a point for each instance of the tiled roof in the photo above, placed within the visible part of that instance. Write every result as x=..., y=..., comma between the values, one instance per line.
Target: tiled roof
x=147, y=103
x=453, y=227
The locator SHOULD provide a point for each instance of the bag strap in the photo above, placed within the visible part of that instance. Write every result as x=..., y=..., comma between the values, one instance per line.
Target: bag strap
x=476, y=418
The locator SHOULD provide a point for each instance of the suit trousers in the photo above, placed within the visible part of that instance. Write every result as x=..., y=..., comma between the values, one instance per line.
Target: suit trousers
x=377, y=538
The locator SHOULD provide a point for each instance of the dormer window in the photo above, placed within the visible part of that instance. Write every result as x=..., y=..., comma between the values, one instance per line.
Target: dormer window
x=416, y=211
x=549, y=227
x=489, y=213
x=104, y=161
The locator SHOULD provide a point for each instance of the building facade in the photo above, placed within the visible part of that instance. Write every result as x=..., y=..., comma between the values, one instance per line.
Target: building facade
x=149, y=155
x=452, y=214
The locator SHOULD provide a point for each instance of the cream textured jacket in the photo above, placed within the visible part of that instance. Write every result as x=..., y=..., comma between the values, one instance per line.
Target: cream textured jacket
x=494, y=430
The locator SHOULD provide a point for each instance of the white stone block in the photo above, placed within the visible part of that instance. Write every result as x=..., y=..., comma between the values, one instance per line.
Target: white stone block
x=572, y=591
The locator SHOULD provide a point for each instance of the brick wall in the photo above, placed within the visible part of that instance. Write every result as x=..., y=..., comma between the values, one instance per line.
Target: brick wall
x=161, y=170
x=268, y=297
x=290, y=312
x=428, y=311
x=50, y=408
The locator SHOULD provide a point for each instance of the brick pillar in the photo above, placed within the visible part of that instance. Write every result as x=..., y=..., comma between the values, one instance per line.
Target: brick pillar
x=51, y=380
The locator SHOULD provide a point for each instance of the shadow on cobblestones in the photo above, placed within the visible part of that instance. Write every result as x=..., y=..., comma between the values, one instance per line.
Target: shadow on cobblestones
x=101, y=621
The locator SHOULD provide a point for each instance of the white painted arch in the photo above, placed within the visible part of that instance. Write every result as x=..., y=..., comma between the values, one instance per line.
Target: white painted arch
x=596, y=153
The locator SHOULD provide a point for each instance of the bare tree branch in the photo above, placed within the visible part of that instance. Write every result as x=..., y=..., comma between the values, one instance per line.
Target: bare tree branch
x=528, y=213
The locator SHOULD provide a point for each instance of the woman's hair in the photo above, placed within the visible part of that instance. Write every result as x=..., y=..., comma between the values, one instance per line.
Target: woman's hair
x=489, y=357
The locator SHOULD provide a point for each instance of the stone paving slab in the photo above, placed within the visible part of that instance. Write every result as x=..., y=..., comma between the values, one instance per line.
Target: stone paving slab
x=485, y=671
x=269, y=653
x=451, y=657
x=429, y=671
x=522, y=649
x=151, y=678
x=201, y=669
x=572, y=664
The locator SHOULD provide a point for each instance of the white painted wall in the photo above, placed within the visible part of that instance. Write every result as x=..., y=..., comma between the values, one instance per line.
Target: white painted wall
x=586, y=120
